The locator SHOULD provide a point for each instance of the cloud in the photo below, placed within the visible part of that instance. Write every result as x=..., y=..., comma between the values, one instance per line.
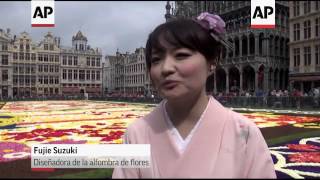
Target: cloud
x=107, y=24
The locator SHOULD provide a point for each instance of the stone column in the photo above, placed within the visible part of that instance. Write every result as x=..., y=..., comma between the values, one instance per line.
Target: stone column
x=278, y=80
x=271, y=75
x=241, y=79
x=256, y=45
x=240, y=47
x=234, y=49
x=227, y=81
x=256, y=80
x=248, y=49
x=265, y=80
x=215, y=82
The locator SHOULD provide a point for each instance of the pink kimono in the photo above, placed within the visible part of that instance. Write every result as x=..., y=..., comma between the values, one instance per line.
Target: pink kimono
x=224, y=145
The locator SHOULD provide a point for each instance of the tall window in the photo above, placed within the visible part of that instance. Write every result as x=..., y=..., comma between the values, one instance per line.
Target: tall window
x=21, y=56
x=88, y=61
x=51, y=58
x=93, y=75
x=15, y=56
x=307, y=29
x=307, y=56
x=69, y=60
x=33, y=56
x=4, y=47
x=27, y=56
x=51, y=47
x=317, y=5
x=317, y=27
x=5, y=60
x=45, y=57
x=296, y=57
x=75, y=60
x=40, y=69
x=98, y=62
x=93, y=62
x=45, y=68
x=306, y=7
x=5, y=75
x=56, y=58
x=296, y=8
x=75, y=74
x=40, y=57
x=317, y=55
x=69, y=74
x=81, y=75
x=64, y=60
x=88, y=75
x=64, y=74
x=98, y=75
x=46, y=47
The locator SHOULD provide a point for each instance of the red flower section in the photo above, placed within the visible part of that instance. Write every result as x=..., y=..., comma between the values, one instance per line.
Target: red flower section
x=87, y=126
x=305, y=157
x=113, y=135
x=303, y=147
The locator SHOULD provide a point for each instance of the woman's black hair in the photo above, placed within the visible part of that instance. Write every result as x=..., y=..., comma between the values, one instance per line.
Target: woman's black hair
x=182, y=33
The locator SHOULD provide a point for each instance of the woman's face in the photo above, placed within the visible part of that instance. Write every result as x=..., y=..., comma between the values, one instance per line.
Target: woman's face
x=179, y=73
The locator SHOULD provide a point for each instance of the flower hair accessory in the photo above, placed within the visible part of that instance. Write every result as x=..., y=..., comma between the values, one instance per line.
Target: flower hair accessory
x=215, y=25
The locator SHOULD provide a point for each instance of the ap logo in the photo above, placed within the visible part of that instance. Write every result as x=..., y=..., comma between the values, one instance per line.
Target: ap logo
x=42, y=13
x=262, y=14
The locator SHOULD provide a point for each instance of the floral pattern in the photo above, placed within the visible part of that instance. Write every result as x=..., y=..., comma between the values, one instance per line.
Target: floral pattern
x=297, y=159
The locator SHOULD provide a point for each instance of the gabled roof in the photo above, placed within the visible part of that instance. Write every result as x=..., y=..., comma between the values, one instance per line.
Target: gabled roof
x=79, y=36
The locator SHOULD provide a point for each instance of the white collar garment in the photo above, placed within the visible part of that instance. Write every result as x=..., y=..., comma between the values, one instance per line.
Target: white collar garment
x=180, y=142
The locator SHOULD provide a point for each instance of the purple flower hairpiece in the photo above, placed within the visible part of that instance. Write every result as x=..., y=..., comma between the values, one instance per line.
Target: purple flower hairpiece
x=215, y=25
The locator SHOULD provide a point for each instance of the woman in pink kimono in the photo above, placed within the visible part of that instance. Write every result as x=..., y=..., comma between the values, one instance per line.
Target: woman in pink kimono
x=191, y=134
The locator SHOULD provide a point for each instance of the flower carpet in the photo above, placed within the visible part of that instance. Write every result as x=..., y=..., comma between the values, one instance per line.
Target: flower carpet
x=101, y=122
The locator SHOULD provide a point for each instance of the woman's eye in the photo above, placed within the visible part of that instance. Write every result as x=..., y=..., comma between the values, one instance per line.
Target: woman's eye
x=182, y=55
x=155, y=60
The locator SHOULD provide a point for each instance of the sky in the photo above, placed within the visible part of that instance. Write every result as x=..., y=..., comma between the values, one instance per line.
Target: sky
x=109, y=25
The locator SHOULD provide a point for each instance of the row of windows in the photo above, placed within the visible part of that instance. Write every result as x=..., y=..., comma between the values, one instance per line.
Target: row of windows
x=48, y=79
x=93, y=63
x=306, y=29
x=306, y=56
x=24, y=80
x=24, y=56
x=24, y=69
x=306, y=7
x=135, y=79
x=135, y=68
x=48, y=47
x=48, y=68
x=70, y=60
x=48, y=58
x=80, y=74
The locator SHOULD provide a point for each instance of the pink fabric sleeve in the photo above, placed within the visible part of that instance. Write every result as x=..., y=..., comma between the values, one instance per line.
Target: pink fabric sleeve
x=121, y=173
x=259, y=161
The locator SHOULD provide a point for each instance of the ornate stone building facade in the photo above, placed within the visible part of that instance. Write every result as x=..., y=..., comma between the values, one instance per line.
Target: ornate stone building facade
x=30, y=69
x=81, y=68
x=129, y=74
x=260, y=57
x=24, y=62
x=304, y=45
x=5, y=64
